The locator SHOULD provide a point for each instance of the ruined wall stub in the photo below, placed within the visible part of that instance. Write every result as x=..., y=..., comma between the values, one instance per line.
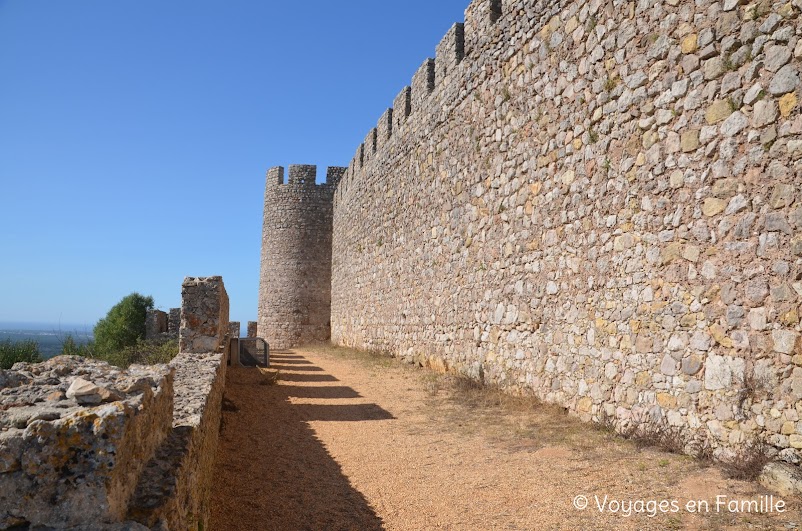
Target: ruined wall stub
x=204, y=315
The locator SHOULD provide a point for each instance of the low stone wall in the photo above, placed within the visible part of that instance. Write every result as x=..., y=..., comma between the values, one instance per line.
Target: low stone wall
x=173, y=491
x=74, y=437
x=86, y=445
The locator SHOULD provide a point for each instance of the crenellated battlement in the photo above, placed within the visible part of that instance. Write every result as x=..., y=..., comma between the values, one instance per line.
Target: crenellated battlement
x=450, y=52
x=422, y=83
x=304, y=175
x=435, y=75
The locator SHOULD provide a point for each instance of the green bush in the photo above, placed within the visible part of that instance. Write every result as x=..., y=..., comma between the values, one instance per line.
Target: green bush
x=123, y=326
x=70, y=348
x=13, y=351
x=143, y=353
x=120, y=337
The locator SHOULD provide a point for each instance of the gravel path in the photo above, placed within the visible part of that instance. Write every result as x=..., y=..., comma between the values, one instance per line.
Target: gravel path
x=345, y=440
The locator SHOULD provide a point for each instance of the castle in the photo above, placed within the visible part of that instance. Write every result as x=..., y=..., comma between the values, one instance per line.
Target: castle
x=595, y=202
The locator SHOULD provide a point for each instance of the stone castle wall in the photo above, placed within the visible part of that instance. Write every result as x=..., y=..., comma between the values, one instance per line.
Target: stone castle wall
x=295, y=281
x=597, y=202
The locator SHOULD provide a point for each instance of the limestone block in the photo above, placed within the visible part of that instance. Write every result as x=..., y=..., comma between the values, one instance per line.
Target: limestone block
x=783, y=478
x=65, y=464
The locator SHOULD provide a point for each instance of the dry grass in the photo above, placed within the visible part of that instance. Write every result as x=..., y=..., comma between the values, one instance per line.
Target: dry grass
x=748, y=463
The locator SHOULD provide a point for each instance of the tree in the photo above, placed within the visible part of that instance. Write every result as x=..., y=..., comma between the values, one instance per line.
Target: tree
x=123, y=325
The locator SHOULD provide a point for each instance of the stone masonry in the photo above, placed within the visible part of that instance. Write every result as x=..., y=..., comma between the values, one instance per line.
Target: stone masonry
x=161, y=326
x=174, y=322
x=74, y=436
x=253, y=329
x=204, y=315
x=84, y=445
x=155, y=324
x=598, y=202
x=295, y=281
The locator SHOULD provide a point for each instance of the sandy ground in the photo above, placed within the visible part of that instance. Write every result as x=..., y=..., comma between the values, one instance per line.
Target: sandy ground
x=344, y=440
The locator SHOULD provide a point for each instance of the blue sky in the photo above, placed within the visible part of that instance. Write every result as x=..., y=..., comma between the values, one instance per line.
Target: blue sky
x=135, y=134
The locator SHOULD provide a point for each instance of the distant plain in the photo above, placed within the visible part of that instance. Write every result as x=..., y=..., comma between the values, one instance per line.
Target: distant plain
x=49, y=336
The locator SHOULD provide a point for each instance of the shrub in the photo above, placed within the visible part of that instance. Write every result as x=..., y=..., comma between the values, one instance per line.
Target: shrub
x=69, y=347
x=142, y=352
x=12, y=352
x=123, y=326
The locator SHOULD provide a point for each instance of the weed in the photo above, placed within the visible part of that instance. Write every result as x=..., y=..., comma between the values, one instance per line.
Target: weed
x=593, y=136
x=752, y=387
x=729, y=66
x=143, y=353
x=656, y=435
x=591, y=23
x=269, y=377
x=610, y=84
x=505, y=94
x=748, y=463
x=702, y=450
x=606, y=424
x=12, y=352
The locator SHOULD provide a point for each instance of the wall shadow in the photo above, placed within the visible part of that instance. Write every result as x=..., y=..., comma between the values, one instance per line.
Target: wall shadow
x=343, y=412
x=289, y=361
x=271, y=471
x=280, y=366
x=306, y=377
x=339, y=391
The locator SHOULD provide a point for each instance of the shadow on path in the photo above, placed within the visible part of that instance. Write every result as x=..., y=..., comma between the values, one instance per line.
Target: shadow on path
x=271, y=471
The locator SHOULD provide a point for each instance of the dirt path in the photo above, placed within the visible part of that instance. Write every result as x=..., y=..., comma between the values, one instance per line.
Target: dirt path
x=345, y=440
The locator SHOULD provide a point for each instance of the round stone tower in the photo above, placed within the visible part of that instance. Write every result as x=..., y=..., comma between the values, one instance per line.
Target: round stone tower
x=295, y=278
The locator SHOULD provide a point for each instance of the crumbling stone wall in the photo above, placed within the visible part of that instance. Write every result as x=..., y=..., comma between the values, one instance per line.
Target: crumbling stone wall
x=89, y=445
x=155, y=324
x=162, y=326
x=253, y=329
x=598, y=202
x=173, y=491
x=174, y=323
x=204, y=315
x=295, y=281
x=74, y=436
